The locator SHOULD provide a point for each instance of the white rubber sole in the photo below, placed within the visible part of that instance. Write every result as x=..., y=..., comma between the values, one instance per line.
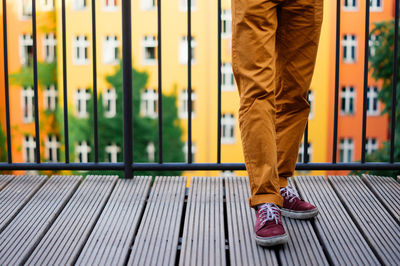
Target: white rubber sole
x=272, y=241
x=299, y=215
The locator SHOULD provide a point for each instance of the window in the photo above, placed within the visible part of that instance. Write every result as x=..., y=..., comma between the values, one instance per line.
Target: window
x=79, y=4
x=80, y=50
x=29, y=149
x=183, y=104
x=50, y=98
x=228, y=129
x=112, y=151
x=372, y=101
x=49, y=45
x=110, y=5
x=301, y=152
x=349, y=43
x=375, y=5
x=147, y=5
x=373, y=43
x=350, y=5
x=227, y=173
x=151, y=151
x=183, y=4
x=26, y=9
x=52, y=147
x=371, y=145
x=186, y=150
x=26, y=49
x=347, y=97
x=27, y=104
x=311, y=102
x=110, y=103
x=82, y=151
x=47, y=5
x=149, y=44
x=110, y=50
x=148, y=104
x=226, y=18
x=82, y=97
x=183, y=50
x=228, y=81
x=346, y=150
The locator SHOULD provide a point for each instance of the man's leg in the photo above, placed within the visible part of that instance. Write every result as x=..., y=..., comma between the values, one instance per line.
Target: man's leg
x=253, y=56
x=297, y=40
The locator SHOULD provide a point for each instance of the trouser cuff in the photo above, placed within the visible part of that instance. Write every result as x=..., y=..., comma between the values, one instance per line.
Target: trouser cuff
x=283, y=182
x=265, y=198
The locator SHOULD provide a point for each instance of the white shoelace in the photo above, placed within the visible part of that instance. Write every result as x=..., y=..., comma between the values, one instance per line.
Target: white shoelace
x=269, y=212
x=288, y=193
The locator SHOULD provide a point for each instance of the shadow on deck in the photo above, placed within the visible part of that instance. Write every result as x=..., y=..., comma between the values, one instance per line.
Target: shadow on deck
x=102, y=220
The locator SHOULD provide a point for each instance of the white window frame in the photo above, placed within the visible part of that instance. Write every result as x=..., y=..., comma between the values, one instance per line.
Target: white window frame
x=80, y=46
x=148, y=5
x=348, y=93
x=151, y=152
x=372, y=43
x=47, y=5
x=79, y=4
x=300, y=157
x=49, y=47
x=52, y=146
x=349, y=42
x=82, y=96
x=372, y=96
x=226, y=23
x=149, y=103
x=228, y=123
x=227, y=173
x=311, y=100
x=25, y=41
x=373, y=6
x=183, y=104
x=346, y=150
x=112, y=151
x=110, y=7
x=27, y=99
x=149, y=42
x=186, y=149
x=29, y=149
x=350, y=8
x=371, y=145
x=183, y=5
x=110, y=50
x=110, y=102
x=50, y=98
x=25, y=9
x=82, y=147
x=183, y=51
x=227, y=79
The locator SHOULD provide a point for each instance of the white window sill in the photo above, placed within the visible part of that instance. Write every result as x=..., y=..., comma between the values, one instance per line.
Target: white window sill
x=228, y=141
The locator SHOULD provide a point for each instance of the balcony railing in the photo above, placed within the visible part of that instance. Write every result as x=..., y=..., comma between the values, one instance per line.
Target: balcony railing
x=128, y=165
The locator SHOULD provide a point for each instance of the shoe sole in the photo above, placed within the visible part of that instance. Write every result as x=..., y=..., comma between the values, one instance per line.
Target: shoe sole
x=272, y=241
x=301, y=215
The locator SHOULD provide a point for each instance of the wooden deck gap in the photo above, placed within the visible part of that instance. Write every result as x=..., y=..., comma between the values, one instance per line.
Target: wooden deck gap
x=278, y=257
x=181, y=225
x=226, y=234
x=356, y=223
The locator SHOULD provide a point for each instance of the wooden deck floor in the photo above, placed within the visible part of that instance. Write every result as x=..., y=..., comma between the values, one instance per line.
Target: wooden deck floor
x=102, y=220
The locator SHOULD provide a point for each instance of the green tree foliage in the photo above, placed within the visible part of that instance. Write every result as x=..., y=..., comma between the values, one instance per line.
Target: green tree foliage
x=381, y=66
x=3, y=151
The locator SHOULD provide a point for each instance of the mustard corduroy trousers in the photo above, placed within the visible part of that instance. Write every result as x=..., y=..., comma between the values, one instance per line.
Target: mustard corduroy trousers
x=274, y=47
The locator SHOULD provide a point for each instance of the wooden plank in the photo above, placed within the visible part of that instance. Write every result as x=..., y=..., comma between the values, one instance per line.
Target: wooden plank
x=4, y=180
x=66, y=237
x=303, y=247
x=379, y=228
x=110, y=241
x=243, y=249
x=157, y=239
x=387, y=190
x=202, y=243
x=16, y=194
x=340, y=237
x=23, y=234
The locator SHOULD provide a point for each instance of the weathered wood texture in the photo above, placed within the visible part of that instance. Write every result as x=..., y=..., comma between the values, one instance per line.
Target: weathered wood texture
x=387, y=190
x=203, y=240
x=66, y=237
x=15, y=195
x=379, y=228
x=340, y=236
x=303, y=247
x=157, y=239
x=4, y=180
x=18, y=240
x=110, y=241
x=243, y=249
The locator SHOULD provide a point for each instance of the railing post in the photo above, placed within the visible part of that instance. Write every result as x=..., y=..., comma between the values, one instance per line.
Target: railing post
x=127, y=87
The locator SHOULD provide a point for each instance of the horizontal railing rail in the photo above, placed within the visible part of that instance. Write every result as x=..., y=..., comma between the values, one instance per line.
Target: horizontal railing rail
x=128, y=165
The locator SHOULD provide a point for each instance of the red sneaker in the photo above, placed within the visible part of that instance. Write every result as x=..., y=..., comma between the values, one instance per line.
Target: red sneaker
x=294, y=207
x=268, y=228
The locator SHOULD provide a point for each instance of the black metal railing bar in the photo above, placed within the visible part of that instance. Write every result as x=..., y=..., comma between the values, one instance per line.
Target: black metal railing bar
x=6, y=82
x=35, y=81
x=94, y=61
x=160, y=112
x=189, y=80
x=65, y=78
x=219, y=83
x=394, y=81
